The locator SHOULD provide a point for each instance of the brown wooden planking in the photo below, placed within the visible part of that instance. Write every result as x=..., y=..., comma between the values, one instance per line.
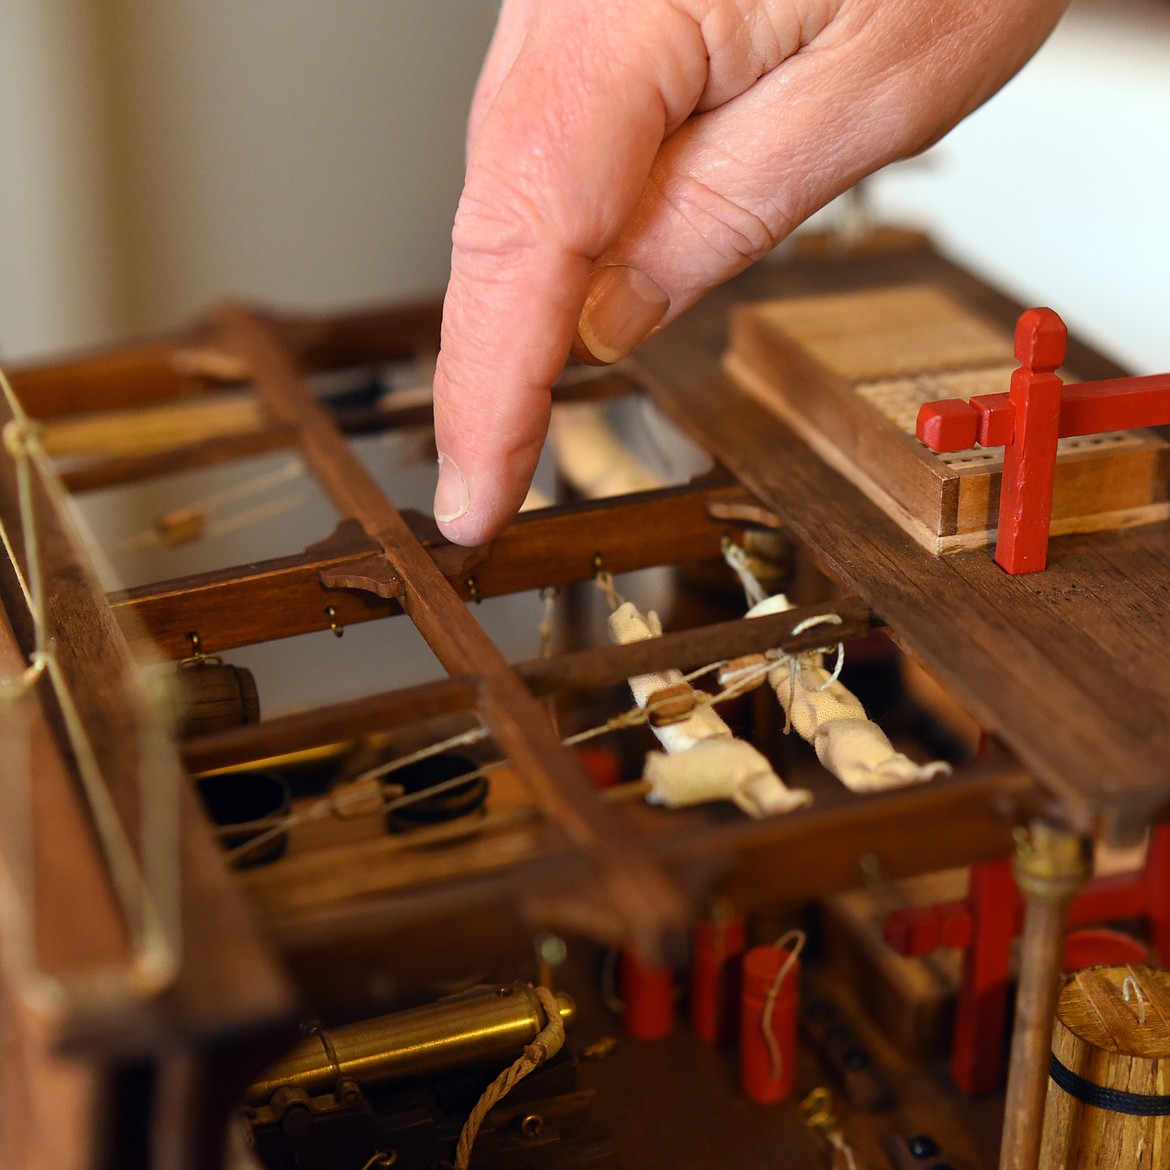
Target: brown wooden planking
x=121, y=378
x=1039, y=681
x=820, y=849
x=784, y=859
x=113, y=709
x=109, y=472
x=361, y=336
x=72, y=935
x=688, y=649
x=285, y=596
x=787, y=859
x=393, y=864
x=87, y=645
x=154, y=370
x=649, y=904
x=994, y=666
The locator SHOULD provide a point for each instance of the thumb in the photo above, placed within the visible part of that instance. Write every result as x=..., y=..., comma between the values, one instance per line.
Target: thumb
x=878, y=83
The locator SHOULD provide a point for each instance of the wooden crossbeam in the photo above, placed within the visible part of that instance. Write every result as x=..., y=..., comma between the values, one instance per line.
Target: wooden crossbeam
x=582, y=670
x=285, y=596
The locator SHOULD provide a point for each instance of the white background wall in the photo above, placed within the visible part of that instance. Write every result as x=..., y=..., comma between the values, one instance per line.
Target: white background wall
x=158, y=154
x=1059, y=187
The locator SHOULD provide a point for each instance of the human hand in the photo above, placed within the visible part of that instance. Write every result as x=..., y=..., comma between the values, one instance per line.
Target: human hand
x=626, y=156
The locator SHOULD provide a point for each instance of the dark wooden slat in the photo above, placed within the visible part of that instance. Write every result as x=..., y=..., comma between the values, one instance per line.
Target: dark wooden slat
x=1047, y=680
x=818, y=850
x=361, y=420
x=333, y=724
x=129, y=376
x=279, y=598
x=285, y=596
x=648, y=903
x=155, y=370
x=361, y=336
x=687, y=649
x=582, y=670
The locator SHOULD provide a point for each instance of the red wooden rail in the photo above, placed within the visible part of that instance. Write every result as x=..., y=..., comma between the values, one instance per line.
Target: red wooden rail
x=1027, y=421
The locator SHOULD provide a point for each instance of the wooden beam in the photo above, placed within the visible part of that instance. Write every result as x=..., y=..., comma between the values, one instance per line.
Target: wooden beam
x=325, y=725
x=287, y=596
x=710, y=850
x=120, y=469
x=686, y=649
x=596, y=667
x=817, y=851
x=100, y=707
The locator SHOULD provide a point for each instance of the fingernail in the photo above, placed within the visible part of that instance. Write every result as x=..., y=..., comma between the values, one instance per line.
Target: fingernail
x=451, y=498
x=622, y=306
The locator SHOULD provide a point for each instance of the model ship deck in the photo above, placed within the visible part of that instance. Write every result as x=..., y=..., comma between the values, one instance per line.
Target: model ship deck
x=849, y=371
x=1066, y=667
x=1062, y=667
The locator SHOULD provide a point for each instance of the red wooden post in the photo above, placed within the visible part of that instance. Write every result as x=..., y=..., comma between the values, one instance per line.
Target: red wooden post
x=1157, y=877
x=981, y=1013
x=1027, y=422
x=647, y=991
x=767, y=1071
x=715, y=975
x=1029, y=462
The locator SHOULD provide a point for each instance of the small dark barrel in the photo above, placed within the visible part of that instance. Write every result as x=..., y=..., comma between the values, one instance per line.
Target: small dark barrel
x=461, y=800
x=246, y=805
x=214, y=696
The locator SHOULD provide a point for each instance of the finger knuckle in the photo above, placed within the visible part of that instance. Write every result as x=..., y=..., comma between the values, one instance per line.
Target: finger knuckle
x=729, y=225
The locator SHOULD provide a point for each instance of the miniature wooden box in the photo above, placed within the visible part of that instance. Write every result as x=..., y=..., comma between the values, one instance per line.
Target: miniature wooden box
x=848, y=372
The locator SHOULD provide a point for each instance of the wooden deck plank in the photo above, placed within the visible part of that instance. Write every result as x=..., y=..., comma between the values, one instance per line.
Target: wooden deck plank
x=1049, y=670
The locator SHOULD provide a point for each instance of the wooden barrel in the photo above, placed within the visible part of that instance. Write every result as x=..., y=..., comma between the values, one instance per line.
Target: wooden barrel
x=1109, y=1089
x=215, y=696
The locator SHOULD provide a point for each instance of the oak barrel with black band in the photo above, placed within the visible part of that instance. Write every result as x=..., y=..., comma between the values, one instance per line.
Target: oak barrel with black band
x=1109, y=1087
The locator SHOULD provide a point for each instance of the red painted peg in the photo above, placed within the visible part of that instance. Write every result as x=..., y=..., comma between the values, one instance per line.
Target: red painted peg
x=767, y=1072
x=1029, y=461
x=715, y=977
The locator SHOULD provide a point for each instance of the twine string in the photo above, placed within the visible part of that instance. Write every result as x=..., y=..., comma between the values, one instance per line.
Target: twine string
x=793, y=941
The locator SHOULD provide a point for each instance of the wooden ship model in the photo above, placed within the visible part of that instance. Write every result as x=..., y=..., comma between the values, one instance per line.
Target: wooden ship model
x=334, y=978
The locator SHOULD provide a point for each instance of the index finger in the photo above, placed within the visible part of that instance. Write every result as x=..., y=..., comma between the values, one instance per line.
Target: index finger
x=554, y=175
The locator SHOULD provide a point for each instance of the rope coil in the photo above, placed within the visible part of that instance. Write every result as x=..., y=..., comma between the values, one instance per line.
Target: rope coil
x=547, y=1043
